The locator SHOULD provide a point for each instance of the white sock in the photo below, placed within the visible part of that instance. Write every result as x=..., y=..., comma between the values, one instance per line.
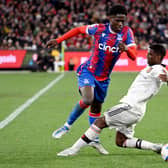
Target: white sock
x=89, y=136
x=93, y=132
x=130, y=143
x=141, y=144
x=79, y=144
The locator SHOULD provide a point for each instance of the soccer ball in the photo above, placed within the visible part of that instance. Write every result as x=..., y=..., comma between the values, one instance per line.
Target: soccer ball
x=164, y=152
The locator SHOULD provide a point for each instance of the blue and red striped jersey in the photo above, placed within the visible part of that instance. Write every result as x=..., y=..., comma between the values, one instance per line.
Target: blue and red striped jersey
x=105, y=49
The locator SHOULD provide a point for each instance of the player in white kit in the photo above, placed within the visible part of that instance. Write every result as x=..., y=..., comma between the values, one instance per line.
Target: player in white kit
x=131, y=109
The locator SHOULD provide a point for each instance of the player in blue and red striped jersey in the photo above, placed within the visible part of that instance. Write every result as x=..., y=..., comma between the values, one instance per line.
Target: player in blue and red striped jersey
x=110, y=40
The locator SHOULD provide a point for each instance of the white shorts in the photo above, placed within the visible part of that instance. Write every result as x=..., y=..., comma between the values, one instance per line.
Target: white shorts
x=122, y=117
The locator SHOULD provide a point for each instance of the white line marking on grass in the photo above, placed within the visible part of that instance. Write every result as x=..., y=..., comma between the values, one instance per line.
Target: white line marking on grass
x=21, y=108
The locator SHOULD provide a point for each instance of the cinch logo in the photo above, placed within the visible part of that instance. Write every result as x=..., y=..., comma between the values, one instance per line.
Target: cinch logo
x=108, y=48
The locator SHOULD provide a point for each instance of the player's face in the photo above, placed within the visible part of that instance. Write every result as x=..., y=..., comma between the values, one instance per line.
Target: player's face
x=153, y=58
x=117, y=22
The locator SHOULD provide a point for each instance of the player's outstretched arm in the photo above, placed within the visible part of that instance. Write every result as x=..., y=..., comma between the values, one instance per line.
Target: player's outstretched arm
x=69, y=34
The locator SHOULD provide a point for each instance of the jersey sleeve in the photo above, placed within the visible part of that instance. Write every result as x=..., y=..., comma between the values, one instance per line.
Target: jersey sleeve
x=71, y=33
x=132, y=52
x=157, y=70
x=91, y=29
x=130, y=40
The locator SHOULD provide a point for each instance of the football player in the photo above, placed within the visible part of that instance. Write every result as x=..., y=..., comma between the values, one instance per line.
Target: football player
x=110, y=40
x=131, y=109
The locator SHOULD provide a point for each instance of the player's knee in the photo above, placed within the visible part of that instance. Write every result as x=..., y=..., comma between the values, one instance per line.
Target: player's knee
x=88, y=101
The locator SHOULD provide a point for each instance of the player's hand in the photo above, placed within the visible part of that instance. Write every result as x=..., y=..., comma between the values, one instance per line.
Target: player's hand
x=163, y=77
x=51, y=43
x=122, y=47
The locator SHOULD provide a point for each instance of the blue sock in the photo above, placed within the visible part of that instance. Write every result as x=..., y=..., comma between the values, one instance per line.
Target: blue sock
x=93, y=117
x=76, y=112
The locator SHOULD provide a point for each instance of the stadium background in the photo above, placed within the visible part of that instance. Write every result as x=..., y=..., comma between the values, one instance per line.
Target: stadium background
x=28, y=25
x=25, y=26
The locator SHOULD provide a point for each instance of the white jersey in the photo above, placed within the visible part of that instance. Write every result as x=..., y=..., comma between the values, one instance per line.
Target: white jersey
x=145, y=86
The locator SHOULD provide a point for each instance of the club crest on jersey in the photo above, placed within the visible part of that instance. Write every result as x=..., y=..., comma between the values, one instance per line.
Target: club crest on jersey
x=86, y=81
x=119, y=37
x=105, y=47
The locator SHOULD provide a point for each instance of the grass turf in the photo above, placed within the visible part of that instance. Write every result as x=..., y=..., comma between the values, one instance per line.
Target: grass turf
x=26, y=142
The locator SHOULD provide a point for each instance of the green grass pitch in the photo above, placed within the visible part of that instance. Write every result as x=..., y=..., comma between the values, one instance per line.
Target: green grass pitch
x=27, y=143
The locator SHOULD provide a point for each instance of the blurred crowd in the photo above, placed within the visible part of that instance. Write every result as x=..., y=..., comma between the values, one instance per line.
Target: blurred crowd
x=29, y=24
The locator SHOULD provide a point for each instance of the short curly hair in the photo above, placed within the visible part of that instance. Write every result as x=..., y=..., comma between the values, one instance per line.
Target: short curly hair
x=158, y=49
x=118, y=9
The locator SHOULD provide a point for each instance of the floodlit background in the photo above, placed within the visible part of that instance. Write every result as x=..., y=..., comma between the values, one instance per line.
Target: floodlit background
x=40, y=101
